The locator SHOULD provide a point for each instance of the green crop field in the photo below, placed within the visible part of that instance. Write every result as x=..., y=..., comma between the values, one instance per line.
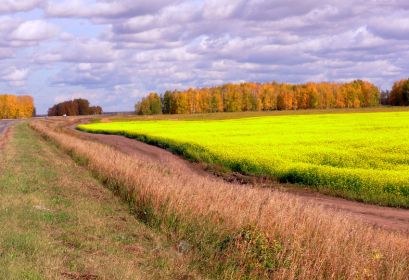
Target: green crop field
x=362, y=156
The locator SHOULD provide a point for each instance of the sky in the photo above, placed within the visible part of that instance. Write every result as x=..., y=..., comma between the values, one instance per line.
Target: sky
x=114, y=52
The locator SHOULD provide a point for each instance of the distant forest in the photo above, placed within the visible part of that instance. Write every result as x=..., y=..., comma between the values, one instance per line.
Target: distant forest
x=261, y=97
x=15, y=107
x=76, y=107
x=398, y=96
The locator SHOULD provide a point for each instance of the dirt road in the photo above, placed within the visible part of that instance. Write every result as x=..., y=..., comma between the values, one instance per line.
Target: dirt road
x=4, y=125
x=385, y=217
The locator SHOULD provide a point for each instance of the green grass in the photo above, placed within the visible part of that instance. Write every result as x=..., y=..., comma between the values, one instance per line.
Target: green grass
x=361, y=156
x=58, y=222
x=247, y=114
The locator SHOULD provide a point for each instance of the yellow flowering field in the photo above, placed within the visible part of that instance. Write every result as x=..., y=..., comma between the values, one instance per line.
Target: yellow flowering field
x=361, y=156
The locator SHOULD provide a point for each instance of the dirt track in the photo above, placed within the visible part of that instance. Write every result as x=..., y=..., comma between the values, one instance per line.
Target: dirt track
x=385, y=217
x=3, y=126
x=3, y=130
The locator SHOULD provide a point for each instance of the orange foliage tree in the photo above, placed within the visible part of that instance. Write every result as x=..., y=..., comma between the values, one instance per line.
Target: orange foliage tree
x=399, y=95
x=14, y=107
x=266, y=97
x=76, y=107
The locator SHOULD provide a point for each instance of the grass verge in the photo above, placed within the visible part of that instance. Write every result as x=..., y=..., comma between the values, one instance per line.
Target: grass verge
x=58, y=222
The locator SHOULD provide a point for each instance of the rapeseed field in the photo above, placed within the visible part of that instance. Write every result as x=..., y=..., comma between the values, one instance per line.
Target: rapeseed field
x=361, y=156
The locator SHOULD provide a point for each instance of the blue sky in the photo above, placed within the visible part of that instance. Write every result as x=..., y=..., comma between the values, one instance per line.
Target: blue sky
x=114, y=52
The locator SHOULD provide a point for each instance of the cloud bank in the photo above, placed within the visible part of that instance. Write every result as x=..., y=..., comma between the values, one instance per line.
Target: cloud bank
x=113, y=52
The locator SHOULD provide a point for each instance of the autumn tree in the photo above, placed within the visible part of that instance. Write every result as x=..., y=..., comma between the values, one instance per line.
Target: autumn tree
x=266, y=96
x=95, y=110
x=13, y=107
x=150, y=105
x=166, y=99
x=76, y=107
x=399, y=95
x=385, y=97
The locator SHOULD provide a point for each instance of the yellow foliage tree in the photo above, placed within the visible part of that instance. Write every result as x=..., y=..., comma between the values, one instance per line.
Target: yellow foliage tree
x=270, y=96
x=15, y=107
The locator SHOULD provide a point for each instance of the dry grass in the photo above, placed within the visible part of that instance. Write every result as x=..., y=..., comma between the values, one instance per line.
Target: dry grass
x=58, y=222
x=239, y=231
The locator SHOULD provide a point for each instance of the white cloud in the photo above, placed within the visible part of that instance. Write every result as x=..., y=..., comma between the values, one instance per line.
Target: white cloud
x=221, y=9
x=34, y=30
x=79, y=51
x=104, y=9
x=15, y=76
x=12, y=6
x=391, y=26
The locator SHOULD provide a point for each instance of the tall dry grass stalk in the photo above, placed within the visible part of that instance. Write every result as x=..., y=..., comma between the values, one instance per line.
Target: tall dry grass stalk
x=241, y=231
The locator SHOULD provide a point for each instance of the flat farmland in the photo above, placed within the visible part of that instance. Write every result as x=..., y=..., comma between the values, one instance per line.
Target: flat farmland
x=360, y=156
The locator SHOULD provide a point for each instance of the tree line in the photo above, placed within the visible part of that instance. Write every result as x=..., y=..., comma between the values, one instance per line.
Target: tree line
x=14, y=107
x=398, y=96
x=261, y=97
x=76, y=107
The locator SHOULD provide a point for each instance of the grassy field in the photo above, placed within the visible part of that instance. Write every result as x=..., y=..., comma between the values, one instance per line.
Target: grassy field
x=248, y=114
x=58, y=222
x=362, y=156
